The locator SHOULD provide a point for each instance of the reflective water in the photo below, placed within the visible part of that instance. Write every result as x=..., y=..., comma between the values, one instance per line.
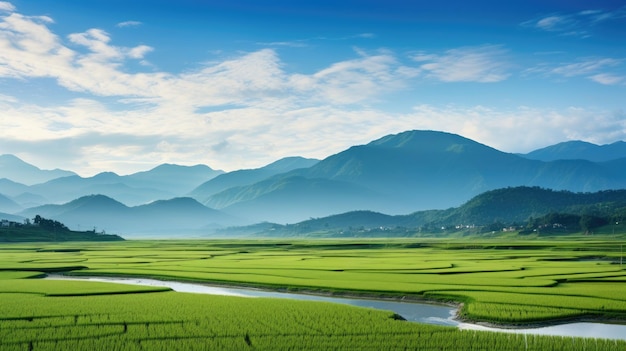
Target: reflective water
x=411, y=311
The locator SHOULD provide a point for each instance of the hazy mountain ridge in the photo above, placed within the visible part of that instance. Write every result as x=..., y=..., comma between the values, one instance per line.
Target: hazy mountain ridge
x=8, y=205
x=162, y=182
x=287, y=198
x=248, y=176
x=182, y=216
x=396, y=174
x=579, y=150
x=11, y=167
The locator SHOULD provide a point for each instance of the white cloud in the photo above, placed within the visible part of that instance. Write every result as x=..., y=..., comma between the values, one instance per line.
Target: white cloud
x=139, y=52
x=293, y=44
x=599, y=70
x=607, y=79
x=128, y=24
x=248, y=110
x=584, y=67
x=353, y=81
x=553, y=23
x=6, y=6
x=483, y=64
x=579, y=24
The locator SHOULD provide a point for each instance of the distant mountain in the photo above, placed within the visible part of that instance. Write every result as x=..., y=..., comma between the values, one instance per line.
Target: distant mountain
x=580, y=150
x=27, y=200
x=29, y=185
x=396, y=174
x=402, y=173
x=66, y=189
x=495, y=208
x=162, y=182
x=13, y=168
x=284, y=199
x=8, y=205
x=171, y=178
x=10, y=217
x=12, y=188
x=248, y=176
x=175, y=217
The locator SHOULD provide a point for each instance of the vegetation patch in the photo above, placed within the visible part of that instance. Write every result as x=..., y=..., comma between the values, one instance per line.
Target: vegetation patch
x=512, y=286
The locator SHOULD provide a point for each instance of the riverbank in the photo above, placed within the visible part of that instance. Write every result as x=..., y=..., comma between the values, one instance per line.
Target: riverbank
x=449, y=317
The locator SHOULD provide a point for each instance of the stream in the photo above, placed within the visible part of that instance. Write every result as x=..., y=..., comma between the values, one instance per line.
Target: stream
x=411, y=311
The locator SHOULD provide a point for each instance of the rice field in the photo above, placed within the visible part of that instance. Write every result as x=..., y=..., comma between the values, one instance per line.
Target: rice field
x=497, y=282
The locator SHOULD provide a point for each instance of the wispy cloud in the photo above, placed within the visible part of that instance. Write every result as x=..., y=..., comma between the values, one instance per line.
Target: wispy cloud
x=577, y=24
x=607, y=79
x=299, y=43
x=584, y=67
x=483, y=64
x=6, y=6
x=607, y=71
x=354, y=80
x=128, y=24
x=542, y=126
x=293, y=44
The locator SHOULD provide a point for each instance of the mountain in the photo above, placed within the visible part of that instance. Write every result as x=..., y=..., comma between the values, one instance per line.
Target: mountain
x=248, y=176
x=13, y=168
x=402, y=173
x=12, y=188
x=396, y=174
x=162, y=182
x=489, y=211
x=284, y=199
x=66, y=189
x=27, y=200
x=579, y=150
x=177, y=216
x=171, y=178
x=8, y=205
x=180, y=215
x=10, y=217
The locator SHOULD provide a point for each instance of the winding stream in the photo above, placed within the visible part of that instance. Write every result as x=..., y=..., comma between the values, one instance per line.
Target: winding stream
x=411, y=311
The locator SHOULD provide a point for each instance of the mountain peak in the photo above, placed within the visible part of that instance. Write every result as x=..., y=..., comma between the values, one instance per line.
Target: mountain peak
x=15, y=169
x=424, y=140
x=95, y=199
x=579, y=150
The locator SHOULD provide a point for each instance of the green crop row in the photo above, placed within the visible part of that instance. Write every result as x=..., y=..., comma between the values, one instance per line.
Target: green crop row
x=176, y=321
x=556, y=277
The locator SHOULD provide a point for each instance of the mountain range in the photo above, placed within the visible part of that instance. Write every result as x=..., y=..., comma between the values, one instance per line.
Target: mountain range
x=397, y=174
x=488, y=211
x=179, y=216
x=402, y=173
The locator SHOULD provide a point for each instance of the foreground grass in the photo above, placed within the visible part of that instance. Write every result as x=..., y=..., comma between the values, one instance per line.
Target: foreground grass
x=177, y=321
x=499, y=282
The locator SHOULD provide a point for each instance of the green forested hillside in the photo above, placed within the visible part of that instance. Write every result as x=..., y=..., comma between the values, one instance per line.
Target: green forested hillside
x=521, y=209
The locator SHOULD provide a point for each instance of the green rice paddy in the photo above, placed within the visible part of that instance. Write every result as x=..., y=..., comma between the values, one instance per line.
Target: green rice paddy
x=498, y=281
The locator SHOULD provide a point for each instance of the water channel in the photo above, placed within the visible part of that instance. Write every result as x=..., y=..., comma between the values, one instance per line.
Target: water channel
x=411, y=311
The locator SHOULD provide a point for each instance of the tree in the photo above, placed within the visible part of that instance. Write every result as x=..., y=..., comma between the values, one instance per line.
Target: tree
x=50, y=224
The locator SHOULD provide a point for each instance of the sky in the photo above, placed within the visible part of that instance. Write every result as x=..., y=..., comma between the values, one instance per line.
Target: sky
x=123, y=86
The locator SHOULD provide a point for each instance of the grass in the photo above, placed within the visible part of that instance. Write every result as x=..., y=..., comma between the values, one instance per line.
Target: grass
x=508, y=282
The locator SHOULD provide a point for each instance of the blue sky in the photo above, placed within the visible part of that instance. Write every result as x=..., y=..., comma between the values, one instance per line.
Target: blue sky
x=123, y=86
